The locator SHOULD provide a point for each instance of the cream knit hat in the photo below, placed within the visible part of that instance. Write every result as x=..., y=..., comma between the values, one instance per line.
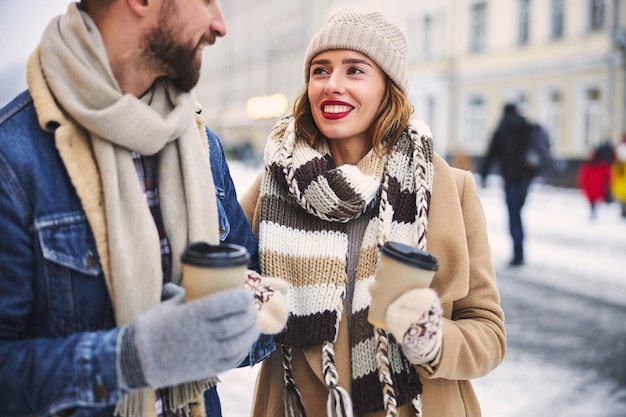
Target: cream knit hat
x=372, y=34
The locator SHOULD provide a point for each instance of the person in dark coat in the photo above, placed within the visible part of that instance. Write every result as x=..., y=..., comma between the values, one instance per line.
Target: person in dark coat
x=507, y=149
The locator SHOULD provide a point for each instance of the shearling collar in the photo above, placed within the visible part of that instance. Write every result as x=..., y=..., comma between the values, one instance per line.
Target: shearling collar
x=75, y=150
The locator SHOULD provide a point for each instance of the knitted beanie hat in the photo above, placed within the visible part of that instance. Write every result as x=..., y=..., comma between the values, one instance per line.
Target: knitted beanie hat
x=372, y=34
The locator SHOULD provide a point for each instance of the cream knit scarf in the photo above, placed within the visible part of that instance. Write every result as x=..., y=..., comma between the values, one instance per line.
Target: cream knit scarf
x=305, y=203
x=75, y=64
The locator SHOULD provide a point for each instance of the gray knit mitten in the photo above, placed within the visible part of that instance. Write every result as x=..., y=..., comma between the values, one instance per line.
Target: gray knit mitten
x=414, y=319
x=180, y=342
x=171, y=290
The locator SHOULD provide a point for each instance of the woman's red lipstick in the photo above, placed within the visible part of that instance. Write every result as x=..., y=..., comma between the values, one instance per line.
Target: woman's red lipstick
x=334, y=109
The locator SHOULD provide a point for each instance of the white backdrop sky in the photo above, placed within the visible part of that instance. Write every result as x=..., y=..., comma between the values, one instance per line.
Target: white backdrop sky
x=21, y=25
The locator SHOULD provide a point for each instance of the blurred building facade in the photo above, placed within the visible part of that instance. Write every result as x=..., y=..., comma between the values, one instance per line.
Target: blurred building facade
x=562, y=61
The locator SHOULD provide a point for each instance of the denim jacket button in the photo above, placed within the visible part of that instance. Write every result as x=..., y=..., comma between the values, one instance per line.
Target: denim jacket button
x=90, y=260
x=100, y=391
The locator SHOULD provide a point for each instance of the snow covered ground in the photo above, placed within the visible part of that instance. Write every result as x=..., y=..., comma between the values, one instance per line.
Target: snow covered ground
x=564, y=248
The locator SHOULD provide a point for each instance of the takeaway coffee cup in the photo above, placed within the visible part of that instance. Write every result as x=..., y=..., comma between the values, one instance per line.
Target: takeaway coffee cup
x=401, y=268
x=210, y=268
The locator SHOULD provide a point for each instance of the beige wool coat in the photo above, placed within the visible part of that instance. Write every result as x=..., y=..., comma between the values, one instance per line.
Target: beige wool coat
x=474, y=339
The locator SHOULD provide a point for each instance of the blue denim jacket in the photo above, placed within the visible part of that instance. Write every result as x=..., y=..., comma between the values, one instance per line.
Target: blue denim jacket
x=57, y=328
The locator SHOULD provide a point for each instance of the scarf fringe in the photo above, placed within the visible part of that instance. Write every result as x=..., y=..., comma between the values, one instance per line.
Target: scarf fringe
x=293, y=399
x=417, y=405
x=135, y=403
x=181, y=395
x=293, y=402
x=384, y=373
x=339, y=403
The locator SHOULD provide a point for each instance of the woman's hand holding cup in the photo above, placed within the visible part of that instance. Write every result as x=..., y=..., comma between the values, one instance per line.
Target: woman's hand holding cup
x=403, y=304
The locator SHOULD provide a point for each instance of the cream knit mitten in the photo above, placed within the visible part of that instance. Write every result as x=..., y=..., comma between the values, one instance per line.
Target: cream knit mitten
x=269, y=297
x=414, y=319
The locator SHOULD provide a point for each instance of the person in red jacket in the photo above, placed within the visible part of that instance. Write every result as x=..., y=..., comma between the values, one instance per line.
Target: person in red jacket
x=594, y=177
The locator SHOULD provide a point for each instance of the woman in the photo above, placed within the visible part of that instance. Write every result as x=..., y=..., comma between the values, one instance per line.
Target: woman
x=346, y=173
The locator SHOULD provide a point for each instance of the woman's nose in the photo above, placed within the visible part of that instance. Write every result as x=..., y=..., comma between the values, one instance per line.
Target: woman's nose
x=334, y=85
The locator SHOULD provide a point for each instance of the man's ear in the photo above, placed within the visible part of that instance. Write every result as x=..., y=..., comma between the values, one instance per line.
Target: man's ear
x=141, y=7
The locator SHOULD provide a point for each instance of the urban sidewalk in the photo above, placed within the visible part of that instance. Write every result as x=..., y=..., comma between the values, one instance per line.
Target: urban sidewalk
x=568, y=250
x=564, y=246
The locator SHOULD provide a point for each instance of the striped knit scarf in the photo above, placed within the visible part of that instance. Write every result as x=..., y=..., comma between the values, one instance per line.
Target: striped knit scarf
x=305, y=205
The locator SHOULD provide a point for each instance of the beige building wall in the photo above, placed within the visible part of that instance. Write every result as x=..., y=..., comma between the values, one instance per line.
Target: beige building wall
x=551, y=79
x=573, y=85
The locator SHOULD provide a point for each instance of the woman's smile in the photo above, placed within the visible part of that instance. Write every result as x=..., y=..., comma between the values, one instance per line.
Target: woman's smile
x=334, y=110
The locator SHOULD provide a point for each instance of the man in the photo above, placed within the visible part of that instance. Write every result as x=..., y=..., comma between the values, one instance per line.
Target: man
x=507, y=147
x=104, y=179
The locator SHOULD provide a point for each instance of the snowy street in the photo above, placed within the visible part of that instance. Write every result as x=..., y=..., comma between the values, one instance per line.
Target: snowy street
x=561, y=63
x=565, y=311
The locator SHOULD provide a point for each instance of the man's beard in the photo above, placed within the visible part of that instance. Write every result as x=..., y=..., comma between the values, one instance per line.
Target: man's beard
x=178, y=61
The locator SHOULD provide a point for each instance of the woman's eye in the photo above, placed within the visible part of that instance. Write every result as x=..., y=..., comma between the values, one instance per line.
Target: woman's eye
x=319, y=71
x=354, y=70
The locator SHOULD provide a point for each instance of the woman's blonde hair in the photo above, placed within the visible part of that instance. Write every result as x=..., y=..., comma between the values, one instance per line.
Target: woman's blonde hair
x=386, y=128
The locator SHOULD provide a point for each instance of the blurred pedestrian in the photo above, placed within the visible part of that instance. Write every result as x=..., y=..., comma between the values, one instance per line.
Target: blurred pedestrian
x=507, y=148
x=594, y=177
x=104, y=180
x=346, y=172
x=618, y=175
x=540, y=163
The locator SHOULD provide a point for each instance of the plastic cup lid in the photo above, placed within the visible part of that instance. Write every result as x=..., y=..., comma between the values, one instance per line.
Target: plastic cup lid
x=410, y=256
x=225, y=255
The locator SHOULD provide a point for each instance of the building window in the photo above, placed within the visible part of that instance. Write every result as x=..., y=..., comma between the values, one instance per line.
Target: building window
x=475, y=122
x=558, y=19
x=596, y=14
x=524, y=22
x=430, y=116
x=592, y=114
x=478, y=26
x=414, y=32
x=427, y=37
x=554, y=116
